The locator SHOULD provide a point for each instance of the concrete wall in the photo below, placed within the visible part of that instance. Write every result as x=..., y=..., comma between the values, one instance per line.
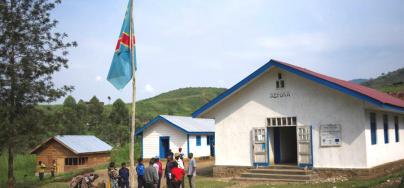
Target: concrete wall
x=151, y=139
x=199, y=151
x=381, y=153
x=313, y=104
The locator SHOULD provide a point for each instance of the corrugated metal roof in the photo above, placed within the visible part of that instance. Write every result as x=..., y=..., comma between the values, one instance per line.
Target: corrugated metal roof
x=192, y=124
x=188, y=125
x=373, y=96
x=83, y=143
x=380, y=96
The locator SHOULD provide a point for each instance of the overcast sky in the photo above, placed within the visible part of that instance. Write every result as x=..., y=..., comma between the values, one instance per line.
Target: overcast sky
x=183, y=43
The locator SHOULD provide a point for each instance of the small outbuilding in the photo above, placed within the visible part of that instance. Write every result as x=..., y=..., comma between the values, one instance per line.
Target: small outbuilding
x=72, y=152
x=193, y=135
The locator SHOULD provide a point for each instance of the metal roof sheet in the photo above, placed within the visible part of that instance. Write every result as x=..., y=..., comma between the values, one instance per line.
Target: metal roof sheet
x=192, y=124
x=188, y=125
x=83, y=143
x=373, y=96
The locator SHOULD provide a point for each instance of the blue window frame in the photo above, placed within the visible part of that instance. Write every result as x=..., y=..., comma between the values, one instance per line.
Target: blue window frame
x=208, y=140
x=396, y=129
x=198, y=140
x=373, y=129
x=386, y=128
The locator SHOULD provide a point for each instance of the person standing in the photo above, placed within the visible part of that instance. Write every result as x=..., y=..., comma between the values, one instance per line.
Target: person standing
x=167, y=172
x=124, y=176
x=54, y=168
x=140, y=173
x=191, y=170
x=41, y=170
x=181, y=154
x=159, y=167
x=177, y=175
x=113, y=175
x=150, y=175
x=180, y=163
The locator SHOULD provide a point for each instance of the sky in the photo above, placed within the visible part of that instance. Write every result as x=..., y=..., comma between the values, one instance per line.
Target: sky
x=216, y=43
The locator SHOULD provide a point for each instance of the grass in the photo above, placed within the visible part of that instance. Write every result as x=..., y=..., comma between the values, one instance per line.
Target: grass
x=24, y=168
x=121, y=154
x=205, y=182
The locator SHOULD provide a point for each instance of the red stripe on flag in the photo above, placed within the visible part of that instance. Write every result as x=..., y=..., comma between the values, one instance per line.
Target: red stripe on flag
x=125, y=40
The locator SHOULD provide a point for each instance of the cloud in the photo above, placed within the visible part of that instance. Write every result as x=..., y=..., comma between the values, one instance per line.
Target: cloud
x=98, y=78
x=150, y=89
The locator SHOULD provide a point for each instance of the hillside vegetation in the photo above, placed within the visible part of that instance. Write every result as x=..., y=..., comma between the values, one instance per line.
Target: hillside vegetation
x=392, y=82
x=177, y=102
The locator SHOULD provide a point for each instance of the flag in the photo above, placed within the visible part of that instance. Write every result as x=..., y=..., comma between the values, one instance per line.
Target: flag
x=121, y=70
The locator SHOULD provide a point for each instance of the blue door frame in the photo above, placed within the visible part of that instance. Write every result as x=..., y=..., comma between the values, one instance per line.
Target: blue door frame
x=277, y=145
x=164, y=145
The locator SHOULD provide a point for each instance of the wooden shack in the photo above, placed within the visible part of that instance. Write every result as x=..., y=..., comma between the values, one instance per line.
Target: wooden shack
x=72, y=152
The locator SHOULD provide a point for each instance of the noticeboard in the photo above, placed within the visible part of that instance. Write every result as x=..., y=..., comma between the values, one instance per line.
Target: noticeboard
x=330, y=135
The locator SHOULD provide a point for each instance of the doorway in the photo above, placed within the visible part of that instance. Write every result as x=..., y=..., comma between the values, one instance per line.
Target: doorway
x=284, y=145
x=164, y=146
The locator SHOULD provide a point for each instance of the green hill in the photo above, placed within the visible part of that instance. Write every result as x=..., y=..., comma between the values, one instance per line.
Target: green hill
x=182, y=101
x=392, y=82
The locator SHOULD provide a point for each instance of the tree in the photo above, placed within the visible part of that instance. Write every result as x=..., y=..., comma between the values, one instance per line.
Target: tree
x=82, y=114
x=30, y=53
x=117, y=130
x=95, y=110
x=70, y=119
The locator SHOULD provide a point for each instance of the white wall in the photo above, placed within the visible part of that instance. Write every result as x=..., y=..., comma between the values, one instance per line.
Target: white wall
x=199, y=151
x=313, y=104
x=380, y=152
x=151, y=139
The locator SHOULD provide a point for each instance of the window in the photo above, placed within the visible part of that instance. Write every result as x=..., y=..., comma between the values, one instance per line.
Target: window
x=373, y=128
x=198, y=140
x=76, y=161
x=209, y=140
x=396, y=129
x=281, y=121
x=386, y=128
x=280, y=83
x=294, y=121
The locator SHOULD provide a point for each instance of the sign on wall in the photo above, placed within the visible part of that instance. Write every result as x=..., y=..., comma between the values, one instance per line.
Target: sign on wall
x=330, y=135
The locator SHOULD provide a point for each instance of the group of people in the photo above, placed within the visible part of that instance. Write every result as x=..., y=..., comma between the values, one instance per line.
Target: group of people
x=118, y=178
x=41, y=168
x=174, y=172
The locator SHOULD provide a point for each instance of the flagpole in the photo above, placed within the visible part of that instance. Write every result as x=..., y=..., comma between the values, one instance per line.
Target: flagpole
x=133, y=127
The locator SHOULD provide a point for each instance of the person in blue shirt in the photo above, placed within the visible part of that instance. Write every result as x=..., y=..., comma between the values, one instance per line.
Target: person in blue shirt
x=124, y=176
x=140, y=173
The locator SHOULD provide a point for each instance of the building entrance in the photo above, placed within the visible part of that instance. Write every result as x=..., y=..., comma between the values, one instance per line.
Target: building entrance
x=284, y=144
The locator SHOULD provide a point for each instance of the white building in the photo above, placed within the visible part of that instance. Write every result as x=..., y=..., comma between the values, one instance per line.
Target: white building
x=282, y=113
x=193, y=135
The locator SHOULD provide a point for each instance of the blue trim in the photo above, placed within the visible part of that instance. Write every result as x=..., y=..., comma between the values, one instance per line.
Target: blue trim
x=277, y=147
x=373, y=128
x=386, y=128
x=268, y=147
x=271, y=63
x=161, y=118
x=396, y=129
x=188, y=145
x=260, y=164
x=311, y=147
